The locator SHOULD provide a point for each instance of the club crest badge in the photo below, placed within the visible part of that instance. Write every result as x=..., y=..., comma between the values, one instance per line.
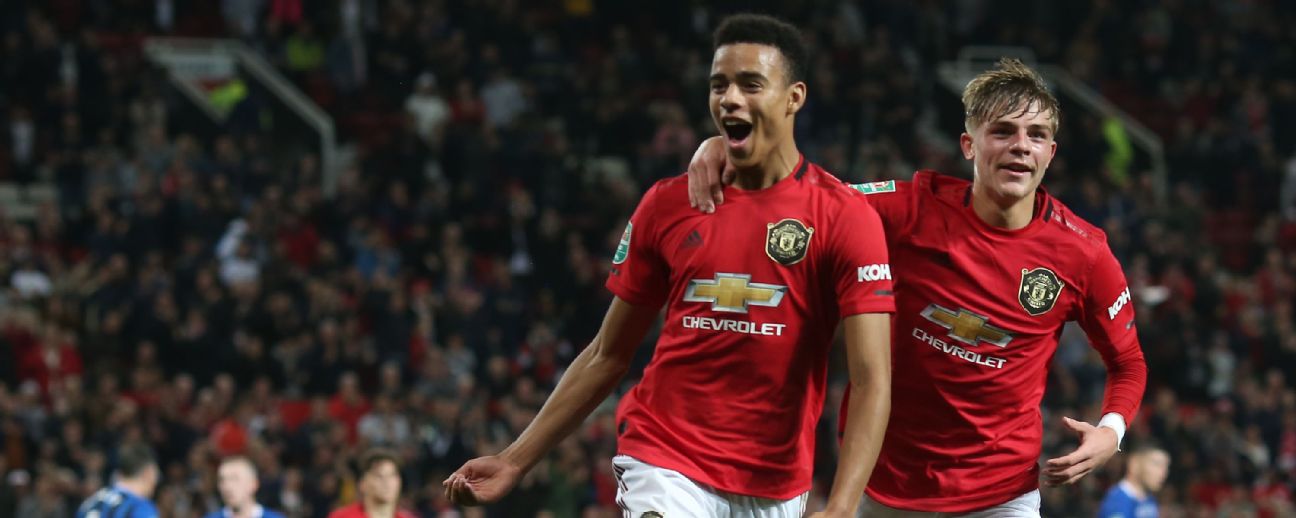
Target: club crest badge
x=1039, y=290
x=786, y=242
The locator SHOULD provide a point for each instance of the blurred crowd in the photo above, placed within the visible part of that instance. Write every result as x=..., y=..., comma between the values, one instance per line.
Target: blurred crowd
x=203, y=295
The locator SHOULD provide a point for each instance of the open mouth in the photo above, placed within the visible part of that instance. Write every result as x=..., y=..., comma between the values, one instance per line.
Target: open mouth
x=1021, y=169
x=737, y=131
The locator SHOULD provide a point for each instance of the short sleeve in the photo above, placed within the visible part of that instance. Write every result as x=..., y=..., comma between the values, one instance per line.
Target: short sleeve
x=639, y=274
x=891, y=200
x=858, y=261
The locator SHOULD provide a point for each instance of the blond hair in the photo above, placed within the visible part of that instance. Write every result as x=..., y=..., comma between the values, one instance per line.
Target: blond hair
x=1009, y=87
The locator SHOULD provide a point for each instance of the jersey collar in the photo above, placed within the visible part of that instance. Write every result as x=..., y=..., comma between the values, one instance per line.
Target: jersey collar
x=1043, y=212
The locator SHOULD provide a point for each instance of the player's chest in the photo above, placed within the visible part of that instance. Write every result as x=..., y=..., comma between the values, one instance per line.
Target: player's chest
x=962, y=281
x=750, y=246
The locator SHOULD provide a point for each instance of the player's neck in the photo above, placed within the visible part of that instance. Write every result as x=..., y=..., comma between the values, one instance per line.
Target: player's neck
x=1011, y=214
x=776, y=166
x=135, y=487
x=380, y=510
x=1133, y=489
x=243, y=511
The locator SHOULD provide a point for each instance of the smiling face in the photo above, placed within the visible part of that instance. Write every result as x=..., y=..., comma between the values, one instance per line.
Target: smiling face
x=1011, y=120
x=1010, y=153
x=753, y=103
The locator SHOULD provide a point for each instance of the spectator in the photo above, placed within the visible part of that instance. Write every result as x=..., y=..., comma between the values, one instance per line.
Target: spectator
x=238, y=266
x=304, y=51
x=348, y=405
x=503, y=98
x=241, y=16
x=8, y=489
x=429, y=110
x=44, y=502
x=384, y=425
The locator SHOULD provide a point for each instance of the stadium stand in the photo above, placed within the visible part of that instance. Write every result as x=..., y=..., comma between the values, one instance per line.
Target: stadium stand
x=196, y=290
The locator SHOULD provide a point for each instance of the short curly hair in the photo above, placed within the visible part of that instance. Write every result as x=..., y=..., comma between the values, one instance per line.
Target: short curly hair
x=767, y=30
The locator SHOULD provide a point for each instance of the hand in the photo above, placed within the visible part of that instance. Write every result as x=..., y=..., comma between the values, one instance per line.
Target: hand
x=1097, y=444
x=708, y=172
x=482, y=480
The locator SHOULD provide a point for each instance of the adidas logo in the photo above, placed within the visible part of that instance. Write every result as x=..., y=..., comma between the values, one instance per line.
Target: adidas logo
x=693, y=240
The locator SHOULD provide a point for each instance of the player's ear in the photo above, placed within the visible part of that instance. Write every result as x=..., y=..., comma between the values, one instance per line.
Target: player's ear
x=965, y=142
x=796, y=97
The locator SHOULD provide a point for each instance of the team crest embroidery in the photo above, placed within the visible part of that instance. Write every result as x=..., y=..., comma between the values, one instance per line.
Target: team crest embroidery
x=1039, y=290
x=786, y=242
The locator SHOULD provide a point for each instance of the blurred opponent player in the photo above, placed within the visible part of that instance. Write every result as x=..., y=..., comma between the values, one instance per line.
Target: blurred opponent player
x=722, y=423
x=989, y=272
x=1134, y=496
x=136, y=476
x=236, y=479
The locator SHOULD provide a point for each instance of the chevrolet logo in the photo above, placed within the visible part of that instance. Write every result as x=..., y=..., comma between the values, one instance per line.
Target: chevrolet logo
x=733, y=292
x=966, y=326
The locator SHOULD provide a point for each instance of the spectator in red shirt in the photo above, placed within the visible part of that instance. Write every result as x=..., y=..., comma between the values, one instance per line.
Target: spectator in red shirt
x=349, y=404
x=53, y=359
x=380, y=487
x=230, y=436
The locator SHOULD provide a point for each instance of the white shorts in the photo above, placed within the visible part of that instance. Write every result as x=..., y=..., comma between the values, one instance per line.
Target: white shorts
x=647, y=491
x=1024, y=506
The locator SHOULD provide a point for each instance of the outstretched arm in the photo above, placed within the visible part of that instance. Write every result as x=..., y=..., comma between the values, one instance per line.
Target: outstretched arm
x=588, y=381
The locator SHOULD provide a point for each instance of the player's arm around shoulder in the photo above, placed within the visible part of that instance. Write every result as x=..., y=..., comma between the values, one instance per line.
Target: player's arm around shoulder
x=587, y=382
x=708, y=172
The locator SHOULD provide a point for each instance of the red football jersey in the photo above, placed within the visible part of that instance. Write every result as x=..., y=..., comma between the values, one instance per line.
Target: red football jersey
x=754, y=293
x=978, y=313
x=356, y=510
